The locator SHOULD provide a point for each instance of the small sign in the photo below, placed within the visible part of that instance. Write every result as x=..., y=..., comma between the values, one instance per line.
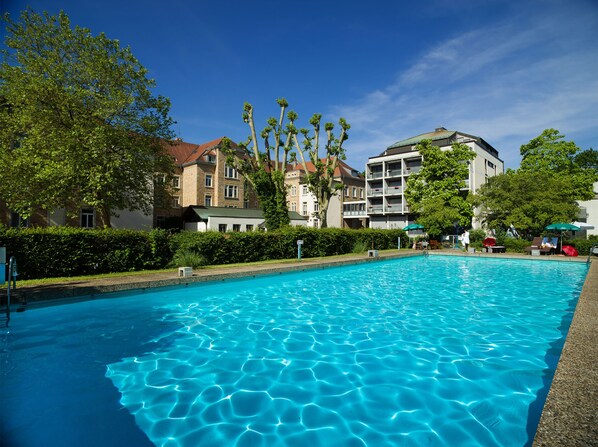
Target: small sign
x=300, y=242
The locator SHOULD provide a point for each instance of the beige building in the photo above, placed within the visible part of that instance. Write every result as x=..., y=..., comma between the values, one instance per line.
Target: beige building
x=201, y=178
x=347, y=208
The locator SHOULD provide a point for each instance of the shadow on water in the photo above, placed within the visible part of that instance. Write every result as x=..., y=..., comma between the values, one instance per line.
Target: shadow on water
x=553, y=354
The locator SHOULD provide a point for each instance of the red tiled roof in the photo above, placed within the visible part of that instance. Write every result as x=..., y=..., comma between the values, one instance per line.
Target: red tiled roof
x=189, y=153
x=342, y=169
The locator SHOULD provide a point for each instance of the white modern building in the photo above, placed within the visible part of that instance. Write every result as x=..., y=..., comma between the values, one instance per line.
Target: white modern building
x=387, y=174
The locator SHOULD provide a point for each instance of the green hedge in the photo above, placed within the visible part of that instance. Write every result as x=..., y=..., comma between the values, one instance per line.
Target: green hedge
x=62, y=251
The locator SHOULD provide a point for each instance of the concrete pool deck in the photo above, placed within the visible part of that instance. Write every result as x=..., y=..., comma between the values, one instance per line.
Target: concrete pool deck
x=570, y=415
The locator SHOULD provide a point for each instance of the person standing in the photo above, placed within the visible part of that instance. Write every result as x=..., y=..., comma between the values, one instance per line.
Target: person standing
x=465, y=239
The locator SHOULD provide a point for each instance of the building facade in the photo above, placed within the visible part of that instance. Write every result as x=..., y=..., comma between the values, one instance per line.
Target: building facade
x=387, y=174
x=347, y=208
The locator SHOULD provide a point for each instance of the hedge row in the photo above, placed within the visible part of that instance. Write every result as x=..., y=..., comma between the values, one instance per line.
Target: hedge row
x=63, y=251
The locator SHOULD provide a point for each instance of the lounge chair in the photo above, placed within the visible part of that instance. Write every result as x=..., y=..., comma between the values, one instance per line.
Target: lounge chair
x=538, y=244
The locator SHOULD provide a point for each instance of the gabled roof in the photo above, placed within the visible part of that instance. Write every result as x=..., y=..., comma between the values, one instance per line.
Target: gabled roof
x=186, y=153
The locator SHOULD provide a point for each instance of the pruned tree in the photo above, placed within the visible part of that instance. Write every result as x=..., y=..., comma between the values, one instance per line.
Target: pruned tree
x=79, y=124
x=437, y=193
x=320, y=181
x=266, y=169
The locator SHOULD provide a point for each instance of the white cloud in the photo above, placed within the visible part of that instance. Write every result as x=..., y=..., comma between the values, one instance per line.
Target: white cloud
x=505, y=83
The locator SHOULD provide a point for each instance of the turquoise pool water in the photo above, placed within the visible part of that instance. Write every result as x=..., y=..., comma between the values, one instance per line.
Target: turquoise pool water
x=418, y=351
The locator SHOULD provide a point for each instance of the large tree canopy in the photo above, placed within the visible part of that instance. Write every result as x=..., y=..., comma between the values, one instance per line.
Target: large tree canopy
x=79, y=123
x=550, y=153
x=527, y=200
x=437, y=194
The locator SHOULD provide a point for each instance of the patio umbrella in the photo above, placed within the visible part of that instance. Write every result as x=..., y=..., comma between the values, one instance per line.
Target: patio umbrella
x=413, y=226
x=562, y=227
x=583, y=225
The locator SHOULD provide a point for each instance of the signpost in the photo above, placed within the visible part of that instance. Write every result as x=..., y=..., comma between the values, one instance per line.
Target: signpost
x=299, y=244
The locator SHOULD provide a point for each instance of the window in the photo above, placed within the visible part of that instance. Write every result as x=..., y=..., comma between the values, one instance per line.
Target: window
x=346, y=191
x=316, y=207
x=304, y=209
x=293, y=206
x=361, y=193
x=87, y=218
x=237, y=227
x=176, y=182
x=490, y=164
x=176, y=202
x=160, y=179
x=354, y=192
x=208, y=180
x=207, y=201
x=293, y=191
x=230, y=172
x=231, y=191
x=211, y=158
x=304, y=190
x=16, y=221
x=248, y=227
x=222, y=228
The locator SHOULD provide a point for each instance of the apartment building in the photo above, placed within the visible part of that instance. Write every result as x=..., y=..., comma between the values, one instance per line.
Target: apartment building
x=387, y=173
x=347, y=208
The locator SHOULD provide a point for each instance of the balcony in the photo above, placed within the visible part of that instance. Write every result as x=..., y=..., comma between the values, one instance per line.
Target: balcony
x=375, y=192
x=412, y=170
x=393, y=190
x=376, y=174
x=376, y=209
x=395, y=208
x=359, y=213
x=393, y=173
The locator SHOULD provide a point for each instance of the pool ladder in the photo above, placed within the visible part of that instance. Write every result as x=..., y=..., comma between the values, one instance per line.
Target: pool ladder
x=12, y=278
x=593, y=251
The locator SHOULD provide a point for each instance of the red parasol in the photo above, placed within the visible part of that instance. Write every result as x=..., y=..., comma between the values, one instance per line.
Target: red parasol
x=569, y=250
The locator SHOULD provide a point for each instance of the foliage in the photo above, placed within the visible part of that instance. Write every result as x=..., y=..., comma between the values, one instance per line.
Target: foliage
x=527, y=200
x=437, y=192
x=63, y=251
x=550, y=154
x=477, y=236
x=359, y=247
x=188, y=258
x=320, y=180
x=265, y=170
x=79, y=123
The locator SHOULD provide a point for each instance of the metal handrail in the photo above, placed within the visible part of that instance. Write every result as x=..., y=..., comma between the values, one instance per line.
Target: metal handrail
x=12, y=275
x=591, y=252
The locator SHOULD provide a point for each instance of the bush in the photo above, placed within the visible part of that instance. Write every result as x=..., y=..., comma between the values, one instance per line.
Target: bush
x=477, y=236
x=188, y=258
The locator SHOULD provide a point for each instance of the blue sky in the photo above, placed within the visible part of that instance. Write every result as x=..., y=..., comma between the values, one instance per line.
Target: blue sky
x=502, y=70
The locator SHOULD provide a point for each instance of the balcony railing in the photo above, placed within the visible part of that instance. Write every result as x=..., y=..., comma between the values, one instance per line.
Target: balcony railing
x=375, y=192
x=393, y=173
x=360, y=213
x=376, y=209
x=412, y=170
x=376, y=174
x=393, y=190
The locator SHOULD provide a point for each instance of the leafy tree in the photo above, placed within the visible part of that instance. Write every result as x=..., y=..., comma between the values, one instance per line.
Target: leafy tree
x=266, y=169
x=79, y=123
x=320, y=181
x=527, y=200
x=437, y=192
x=549, y=153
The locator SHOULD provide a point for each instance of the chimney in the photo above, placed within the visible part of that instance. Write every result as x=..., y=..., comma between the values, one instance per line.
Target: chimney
x=440, y=129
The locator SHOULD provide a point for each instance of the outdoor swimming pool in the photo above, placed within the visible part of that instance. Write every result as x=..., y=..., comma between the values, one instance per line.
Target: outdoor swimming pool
x=416, y=351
